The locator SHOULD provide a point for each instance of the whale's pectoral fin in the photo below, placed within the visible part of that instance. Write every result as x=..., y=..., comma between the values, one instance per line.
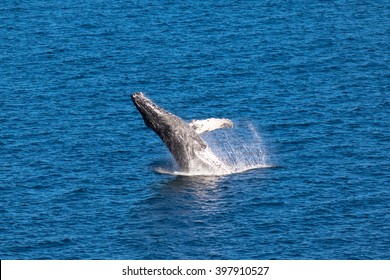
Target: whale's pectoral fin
x=201, y=126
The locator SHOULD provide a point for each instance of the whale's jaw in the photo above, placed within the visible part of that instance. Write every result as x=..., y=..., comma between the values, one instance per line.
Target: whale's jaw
x=181, y=139
x=154, y=116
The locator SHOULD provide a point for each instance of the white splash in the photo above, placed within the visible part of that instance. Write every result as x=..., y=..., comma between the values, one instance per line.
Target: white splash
x=230, y=150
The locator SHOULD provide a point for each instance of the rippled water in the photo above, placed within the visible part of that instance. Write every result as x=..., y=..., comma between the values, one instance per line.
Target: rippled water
x=77, y=164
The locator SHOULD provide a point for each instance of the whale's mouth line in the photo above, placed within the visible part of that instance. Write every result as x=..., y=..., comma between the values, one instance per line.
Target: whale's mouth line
x=142, y=103
x=197, y=153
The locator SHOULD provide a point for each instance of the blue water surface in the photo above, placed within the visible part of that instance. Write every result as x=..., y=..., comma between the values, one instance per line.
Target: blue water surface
x=77, y=164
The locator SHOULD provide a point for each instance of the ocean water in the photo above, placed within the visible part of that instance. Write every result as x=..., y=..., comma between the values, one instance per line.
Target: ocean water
x=307, y=84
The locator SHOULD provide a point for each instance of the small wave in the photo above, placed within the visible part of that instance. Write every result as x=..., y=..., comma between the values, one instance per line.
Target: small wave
x=168, y=171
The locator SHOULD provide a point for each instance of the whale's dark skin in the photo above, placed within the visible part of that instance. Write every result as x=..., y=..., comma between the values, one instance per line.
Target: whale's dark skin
x=181, y=139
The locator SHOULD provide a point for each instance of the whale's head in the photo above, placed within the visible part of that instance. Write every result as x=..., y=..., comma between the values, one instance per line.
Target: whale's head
x=154, y=116
x=180, y=138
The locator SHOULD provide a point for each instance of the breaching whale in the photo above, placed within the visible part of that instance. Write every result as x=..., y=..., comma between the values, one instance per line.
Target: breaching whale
x=183, y=140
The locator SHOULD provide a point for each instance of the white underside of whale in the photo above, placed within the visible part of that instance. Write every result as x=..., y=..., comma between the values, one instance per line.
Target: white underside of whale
x=206, y=161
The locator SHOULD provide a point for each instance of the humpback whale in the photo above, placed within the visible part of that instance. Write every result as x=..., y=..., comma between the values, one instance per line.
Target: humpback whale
x=184, y=141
